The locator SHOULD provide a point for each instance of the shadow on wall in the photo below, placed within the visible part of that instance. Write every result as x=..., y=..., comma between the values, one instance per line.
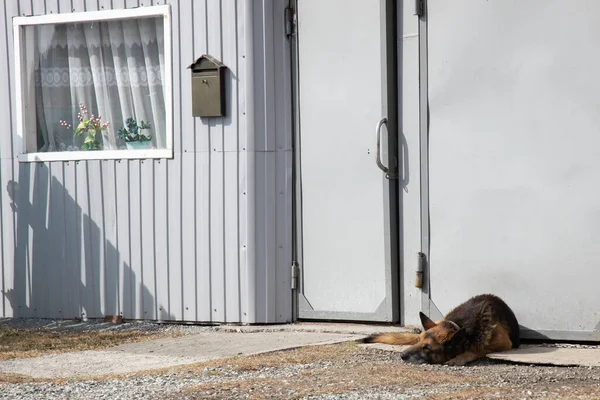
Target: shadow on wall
x=63, y=266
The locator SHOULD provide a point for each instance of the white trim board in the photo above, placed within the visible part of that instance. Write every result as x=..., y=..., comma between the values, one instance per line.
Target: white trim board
x=96, y=155
x=85, y=16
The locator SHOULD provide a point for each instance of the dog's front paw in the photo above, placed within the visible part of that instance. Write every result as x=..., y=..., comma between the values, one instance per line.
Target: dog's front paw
x=456, y=362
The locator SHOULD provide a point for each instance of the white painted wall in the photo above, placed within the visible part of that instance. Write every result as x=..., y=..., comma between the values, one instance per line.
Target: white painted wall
x=514, y=158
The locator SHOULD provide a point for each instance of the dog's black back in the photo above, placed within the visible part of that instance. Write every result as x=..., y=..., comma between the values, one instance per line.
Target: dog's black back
x=478, y=315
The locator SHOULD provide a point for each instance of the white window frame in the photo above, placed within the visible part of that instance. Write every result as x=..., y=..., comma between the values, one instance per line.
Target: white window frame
x=105, y=15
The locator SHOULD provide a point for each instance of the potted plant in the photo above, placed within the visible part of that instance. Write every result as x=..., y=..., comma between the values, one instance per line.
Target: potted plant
x=133, y=136
x=89, y=127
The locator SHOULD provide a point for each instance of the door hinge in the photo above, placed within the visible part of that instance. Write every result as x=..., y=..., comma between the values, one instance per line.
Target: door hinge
x=420, y=7
x=290, y=22
x=421, y=263
x=295, y=273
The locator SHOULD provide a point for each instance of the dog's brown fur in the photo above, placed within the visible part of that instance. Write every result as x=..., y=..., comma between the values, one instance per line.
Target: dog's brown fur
x=481, y=325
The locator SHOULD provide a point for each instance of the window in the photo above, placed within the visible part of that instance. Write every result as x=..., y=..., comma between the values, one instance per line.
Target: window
x=94, y=85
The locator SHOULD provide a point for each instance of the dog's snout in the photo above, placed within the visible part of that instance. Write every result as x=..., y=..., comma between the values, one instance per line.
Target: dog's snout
x=413, y=357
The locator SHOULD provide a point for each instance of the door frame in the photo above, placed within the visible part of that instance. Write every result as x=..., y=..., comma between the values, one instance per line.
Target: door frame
x=427, y=305
x=390, y=308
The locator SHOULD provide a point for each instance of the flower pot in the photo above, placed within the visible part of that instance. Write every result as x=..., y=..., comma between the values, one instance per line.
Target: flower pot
x=139, y=145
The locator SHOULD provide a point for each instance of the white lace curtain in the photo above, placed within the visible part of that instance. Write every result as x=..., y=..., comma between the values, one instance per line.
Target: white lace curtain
x=115, y=68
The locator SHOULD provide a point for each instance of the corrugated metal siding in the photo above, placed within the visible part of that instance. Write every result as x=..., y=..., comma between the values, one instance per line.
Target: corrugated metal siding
x=211, y=240
x=273, y=160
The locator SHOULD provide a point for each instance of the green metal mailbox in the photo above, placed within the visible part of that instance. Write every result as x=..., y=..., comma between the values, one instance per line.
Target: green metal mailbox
x=208, y=87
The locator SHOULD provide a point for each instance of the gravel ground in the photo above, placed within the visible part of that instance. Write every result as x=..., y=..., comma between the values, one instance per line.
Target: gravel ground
x=363, y=374
x=344, y=371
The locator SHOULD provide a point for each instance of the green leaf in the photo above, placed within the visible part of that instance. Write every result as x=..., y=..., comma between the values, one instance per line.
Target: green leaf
x=89, y=139
x=81, y=126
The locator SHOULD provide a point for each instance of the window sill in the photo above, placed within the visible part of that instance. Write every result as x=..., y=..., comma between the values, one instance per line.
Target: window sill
x=96, y=155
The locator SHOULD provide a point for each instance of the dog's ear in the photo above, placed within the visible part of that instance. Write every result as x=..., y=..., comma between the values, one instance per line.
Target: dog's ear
x=458, y=336
x=427, y=323
x=455, y=343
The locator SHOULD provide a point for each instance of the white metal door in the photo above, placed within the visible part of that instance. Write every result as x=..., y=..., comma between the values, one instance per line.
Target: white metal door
x=514, y=159
x=347, y=262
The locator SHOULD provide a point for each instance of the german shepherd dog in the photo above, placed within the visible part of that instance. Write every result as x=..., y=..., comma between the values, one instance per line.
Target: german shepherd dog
x=481, y=325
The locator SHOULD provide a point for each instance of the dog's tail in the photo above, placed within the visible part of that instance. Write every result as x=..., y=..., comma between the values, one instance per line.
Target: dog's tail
x=393, y=338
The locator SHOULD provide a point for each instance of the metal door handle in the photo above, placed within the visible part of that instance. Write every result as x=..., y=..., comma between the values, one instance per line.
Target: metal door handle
x=378, y=151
